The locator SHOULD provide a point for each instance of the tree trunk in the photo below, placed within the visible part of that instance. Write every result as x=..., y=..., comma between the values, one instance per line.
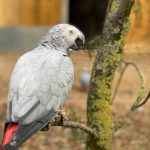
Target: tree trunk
x=107, y=58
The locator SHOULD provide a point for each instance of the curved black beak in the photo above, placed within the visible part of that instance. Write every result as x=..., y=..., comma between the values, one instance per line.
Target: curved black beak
x=78, y=44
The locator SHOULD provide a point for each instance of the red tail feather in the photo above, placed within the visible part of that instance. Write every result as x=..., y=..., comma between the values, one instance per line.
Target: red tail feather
x=8, y=133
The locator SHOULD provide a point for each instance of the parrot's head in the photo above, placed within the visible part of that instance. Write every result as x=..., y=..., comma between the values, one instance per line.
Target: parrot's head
x=65, y=37
x=73, y=38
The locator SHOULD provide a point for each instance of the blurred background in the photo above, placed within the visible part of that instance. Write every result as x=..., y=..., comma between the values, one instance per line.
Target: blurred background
x=24, y=22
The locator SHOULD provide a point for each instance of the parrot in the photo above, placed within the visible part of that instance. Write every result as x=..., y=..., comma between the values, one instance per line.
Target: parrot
x=40, y=83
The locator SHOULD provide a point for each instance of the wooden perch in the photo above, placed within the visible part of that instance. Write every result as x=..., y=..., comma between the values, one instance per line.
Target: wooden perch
x=61, y=120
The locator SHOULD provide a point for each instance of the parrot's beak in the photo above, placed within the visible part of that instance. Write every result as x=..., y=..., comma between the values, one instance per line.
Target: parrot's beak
x=78, y=44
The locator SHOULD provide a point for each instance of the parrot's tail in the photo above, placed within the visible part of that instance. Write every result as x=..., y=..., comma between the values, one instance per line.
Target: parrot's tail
x=21, y=133
x=8, y=133
x=16, y=134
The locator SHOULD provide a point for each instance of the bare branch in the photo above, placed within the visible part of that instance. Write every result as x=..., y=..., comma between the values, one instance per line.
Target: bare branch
x=71, y=124
x=119, y=81
x=127, y=63
x=142, y=103
x=141, y=94
x=122, y=120
x=138, y=102
x=60, y=120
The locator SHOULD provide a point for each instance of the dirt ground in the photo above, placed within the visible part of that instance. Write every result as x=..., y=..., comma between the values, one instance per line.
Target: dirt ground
x=134, y=135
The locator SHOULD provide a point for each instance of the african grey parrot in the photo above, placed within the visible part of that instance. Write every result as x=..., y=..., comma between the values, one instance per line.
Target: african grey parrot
x=40, y=83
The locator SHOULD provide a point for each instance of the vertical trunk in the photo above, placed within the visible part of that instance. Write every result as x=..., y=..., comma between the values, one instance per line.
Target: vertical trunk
x=107, y=58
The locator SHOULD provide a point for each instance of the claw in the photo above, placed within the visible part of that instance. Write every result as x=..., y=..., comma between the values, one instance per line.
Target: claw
x=62, y=113
x=45, y=128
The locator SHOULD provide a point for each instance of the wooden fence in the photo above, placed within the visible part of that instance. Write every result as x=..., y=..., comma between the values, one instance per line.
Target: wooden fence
x=140, y=23
x=30, y=12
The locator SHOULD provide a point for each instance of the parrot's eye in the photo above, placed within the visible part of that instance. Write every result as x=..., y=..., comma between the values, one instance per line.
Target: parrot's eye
x=71, y=32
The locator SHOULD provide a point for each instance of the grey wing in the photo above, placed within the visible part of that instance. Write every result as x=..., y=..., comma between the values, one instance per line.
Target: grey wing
x=34, y=94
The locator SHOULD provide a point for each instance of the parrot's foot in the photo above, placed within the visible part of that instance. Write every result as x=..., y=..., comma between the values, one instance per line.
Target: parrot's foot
x=45, y=128
x=62, y=113
x=60, y=117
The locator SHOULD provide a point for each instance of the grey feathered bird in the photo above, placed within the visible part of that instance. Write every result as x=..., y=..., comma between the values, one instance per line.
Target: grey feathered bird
x=40, y=83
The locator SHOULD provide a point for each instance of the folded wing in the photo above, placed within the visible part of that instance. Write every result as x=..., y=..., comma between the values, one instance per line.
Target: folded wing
x=39, y=86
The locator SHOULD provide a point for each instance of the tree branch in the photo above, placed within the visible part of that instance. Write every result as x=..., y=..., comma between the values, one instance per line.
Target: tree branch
x=141, y=94
x=142, y=103
x=61, y=120
x=138, y=102
x=119, y=81
x=127, y=63
x=122, y=121
x=107, y=58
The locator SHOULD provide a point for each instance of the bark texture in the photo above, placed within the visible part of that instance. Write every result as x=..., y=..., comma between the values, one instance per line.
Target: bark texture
x=107, y=58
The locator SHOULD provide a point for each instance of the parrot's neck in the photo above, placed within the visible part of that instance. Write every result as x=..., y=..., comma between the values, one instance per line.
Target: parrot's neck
x=52, y=48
